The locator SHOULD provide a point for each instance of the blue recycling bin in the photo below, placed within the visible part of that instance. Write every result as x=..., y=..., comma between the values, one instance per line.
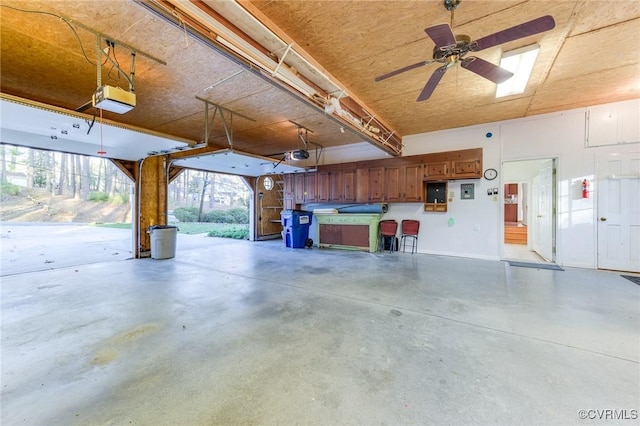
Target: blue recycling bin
x=295, y=224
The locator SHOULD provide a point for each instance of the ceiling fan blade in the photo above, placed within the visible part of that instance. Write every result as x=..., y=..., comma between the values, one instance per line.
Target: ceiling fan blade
x=486, y=69
x=432, y=83
x=401, y=70
x=536, y=26
x=441, y=35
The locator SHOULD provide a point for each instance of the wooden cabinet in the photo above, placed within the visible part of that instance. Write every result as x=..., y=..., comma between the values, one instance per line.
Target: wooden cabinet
x=336, y=188
x=310, y=187
x=298, y=185
x=511, y=202
x=370, y=185
x=384, y=180
x=349, y=186
x=304, y=188
x=323, y=187
x=376, y=185
x=362, y=185
x=289, y=202
x=413, y=182
x=455, y=169
x=437, y=170
x=461, y=169
x=393, y=184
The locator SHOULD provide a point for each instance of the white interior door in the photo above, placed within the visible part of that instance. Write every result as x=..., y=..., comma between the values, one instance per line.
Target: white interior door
x=619, y=213
x=544, y=221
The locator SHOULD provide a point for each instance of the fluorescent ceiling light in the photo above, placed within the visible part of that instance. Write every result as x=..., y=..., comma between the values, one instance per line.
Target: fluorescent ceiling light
x=520, y=62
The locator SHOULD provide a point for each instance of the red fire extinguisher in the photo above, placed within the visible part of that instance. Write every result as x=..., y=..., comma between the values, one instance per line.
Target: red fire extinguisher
x=585, y=189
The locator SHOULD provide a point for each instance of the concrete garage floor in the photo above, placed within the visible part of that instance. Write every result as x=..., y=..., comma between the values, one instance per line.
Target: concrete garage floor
x=236, y=332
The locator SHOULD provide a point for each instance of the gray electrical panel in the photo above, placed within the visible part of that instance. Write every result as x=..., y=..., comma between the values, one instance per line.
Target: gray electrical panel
x=466, y=191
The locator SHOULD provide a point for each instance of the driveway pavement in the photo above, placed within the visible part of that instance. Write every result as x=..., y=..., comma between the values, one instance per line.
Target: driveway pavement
x=32, y=247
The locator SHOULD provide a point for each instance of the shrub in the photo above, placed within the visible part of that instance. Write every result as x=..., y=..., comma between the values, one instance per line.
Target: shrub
x=236, y=232
x=216, y=216
x=119, y=198
x=7, y=188
x=238, y=215
x=98, y=196
x=186, y=214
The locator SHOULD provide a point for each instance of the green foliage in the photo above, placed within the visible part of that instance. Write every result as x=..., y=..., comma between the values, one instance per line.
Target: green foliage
x=98, y=196
x=113, y=225
x=7, y=188
x=186, y=214
x=191, y=228
x=216, y=216
x=235, y=232
x=119, y=198
x=190, y=214
x=238, y=215
x=238, y=232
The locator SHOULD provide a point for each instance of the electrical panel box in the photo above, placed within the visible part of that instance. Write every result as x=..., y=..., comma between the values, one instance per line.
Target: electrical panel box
x=467, y=191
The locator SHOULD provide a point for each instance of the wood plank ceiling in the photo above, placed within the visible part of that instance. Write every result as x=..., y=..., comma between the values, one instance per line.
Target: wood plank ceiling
x=590, y=57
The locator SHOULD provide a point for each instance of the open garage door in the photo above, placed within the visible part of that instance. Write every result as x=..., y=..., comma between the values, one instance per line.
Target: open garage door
x=67, y=196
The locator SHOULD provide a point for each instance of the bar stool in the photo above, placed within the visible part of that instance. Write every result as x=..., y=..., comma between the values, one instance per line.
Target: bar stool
x=388, y=229
x=409, y=229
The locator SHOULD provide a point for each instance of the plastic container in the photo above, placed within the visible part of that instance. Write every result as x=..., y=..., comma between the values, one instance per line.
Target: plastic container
x=163, y=241
x=295, y=225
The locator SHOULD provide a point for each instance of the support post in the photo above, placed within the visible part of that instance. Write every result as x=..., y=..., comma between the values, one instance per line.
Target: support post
x=150, y=201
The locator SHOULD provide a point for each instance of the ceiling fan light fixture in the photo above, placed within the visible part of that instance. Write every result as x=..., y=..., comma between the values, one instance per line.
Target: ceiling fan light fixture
x=520, y=62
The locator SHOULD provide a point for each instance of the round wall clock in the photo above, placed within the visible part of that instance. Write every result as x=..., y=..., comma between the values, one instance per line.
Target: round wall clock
x=490, y=174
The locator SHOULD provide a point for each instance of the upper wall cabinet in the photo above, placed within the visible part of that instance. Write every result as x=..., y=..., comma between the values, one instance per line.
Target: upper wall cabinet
x=376, y=184
x=289, y=202
x=412, y=175
x=385, y=180
x=468, y=168
x=393, y=183
x=349, y=185
x=304, y=188
x=613, y=124
x=322, y=186
x=437, y=170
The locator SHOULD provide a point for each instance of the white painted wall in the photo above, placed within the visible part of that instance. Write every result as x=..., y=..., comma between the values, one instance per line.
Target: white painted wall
x=476, y=227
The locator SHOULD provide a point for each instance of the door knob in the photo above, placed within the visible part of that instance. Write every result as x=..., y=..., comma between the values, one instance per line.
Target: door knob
x=603, y=219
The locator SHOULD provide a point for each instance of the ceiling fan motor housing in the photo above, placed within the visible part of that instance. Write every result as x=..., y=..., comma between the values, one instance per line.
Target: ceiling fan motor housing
x=454, y=53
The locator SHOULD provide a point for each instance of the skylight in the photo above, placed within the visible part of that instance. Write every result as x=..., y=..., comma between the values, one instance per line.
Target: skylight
x=520, y=62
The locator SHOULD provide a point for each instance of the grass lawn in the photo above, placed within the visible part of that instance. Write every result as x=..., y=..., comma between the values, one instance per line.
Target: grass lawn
x=225, y=230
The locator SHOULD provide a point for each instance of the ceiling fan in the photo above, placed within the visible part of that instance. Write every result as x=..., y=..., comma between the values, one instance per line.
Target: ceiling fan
x=451, y=49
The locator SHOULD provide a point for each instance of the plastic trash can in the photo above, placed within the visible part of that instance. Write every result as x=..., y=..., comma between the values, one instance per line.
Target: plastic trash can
x=163, y=241
x=296, y=225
